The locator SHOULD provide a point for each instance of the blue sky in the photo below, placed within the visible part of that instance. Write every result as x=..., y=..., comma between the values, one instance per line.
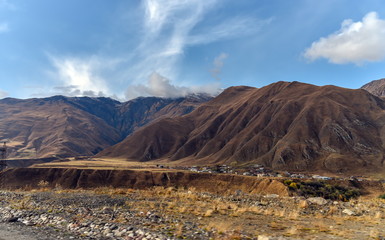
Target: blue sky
x=169, y=48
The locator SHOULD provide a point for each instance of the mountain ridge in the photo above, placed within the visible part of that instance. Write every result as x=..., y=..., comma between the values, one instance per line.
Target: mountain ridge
x=376, y=87
x=285, y=125
x=72, y=126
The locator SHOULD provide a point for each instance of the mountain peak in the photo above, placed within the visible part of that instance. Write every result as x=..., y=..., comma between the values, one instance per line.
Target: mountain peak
x=285, y=126
x=376, y=87
x=71, y=126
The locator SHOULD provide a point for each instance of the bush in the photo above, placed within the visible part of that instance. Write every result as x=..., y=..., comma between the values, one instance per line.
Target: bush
x=293, y=185
x=322, y=189
x=287, y=182
x=382, y=196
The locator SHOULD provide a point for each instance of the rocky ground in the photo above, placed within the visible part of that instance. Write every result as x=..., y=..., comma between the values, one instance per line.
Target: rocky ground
x=170, y=213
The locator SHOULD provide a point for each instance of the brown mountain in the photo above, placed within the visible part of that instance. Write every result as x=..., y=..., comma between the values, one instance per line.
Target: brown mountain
x=291, y=126
x=65, y=126
x=376, y=87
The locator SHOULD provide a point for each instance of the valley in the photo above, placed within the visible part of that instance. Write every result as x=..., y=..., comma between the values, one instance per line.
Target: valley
x=286, y=161
x=194, y=119
x=177, y=212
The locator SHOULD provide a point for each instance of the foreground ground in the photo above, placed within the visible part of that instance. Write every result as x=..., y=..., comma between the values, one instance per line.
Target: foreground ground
x=169, y=213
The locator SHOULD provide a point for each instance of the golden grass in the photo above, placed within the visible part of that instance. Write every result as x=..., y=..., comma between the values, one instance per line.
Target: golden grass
x=228, y=218
x=104, y=164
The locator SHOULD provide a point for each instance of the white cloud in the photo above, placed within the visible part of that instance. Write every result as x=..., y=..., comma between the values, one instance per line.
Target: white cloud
x=172, y=26
x=4, y=27
x=3, y=94
x=74, y=91
x=160, y=86
x=218, y=65
x=80, y=77
x=355, y=42
x=167, y=28
x=232, y=28
x=160, y=14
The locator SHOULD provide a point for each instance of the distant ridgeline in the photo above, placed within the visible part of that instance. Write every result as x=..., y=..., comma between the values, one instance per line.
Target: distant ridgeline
x=72, y=126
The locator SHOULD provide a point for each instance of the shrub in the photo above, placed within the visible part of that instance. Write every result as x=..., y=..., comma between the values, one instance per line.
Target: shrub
x=322, y=189
x=287, y=182
x=382, y=196
x=293, y=185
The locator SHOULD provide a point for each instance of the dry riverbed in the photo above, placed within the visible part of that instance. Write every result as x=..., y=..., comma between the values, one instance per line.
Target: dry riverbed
x=168, y=213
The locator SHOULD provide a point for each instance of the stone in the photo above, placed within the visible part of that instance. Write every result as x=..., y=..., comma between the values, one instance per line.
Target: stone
x=139, y=232
x=263, y=237
x=317, y=200
x=117, y=233
x=113, y=227
x=348, y=212
x=271, y=196
x=303, y=204
x=106, y=231
x=12, y=219
x=28, y=223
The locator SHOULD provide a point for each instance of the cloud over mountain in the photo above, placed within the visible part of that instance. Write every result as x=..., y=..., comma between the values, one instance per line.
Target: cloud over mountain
x=160, y=86
x=3, y=94
x=80, y=77
x=355, y=42
x=164, y=31
x=218, y=65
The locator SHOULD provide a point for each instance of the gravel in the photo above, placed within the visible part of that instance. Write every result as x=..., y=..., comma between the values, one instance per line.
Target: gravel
x=78, y=216
x=87, y=215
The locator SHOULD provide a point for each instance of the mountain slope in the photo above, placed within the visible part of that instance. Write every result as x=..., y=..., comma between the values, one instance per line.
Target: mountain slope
x=52, y=126
x=292, y=126
x=141, y=111
x=376, y=87
x=66, y=126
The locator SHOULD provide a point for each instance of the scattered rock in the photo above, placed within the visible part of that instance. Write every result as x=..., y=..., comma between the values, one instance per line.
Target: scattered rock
x=12, y=219
x=263, y=237
x=348, y=212
x=28, y=223
x=271, y=196
x=303, y=204
x=317, y=200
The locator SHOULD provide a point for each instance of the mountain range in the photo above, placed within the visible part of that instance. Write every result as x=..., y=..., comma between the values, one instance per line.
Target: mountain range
x=73, y=126
x=285, y=126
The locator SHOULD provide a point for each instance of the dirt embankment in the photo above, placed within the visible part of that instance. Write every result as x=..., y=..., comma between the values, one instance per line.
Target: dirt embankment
x=85, y=178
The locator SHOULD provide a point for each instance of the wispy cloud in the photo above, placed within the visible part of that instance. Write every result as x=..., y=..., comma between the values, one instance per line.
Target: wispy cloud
x=160, y=86
x=4, y=27
x=5, y=5
x=3, y=94
x=232, y=28
x=81, y=76
x=74, y=91
x=218, y=65
x=167, y=29
x=355, y=42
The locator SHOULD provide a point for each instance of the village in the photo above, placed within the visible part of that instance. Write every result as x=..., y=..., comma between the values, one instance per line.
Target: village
x=258, y=170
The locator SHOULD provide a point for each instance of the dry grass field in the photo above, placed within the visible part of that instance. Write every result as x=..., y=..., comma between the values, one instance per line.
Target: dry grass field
x=190, y=214
x=98, y=163
x=249, y=216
